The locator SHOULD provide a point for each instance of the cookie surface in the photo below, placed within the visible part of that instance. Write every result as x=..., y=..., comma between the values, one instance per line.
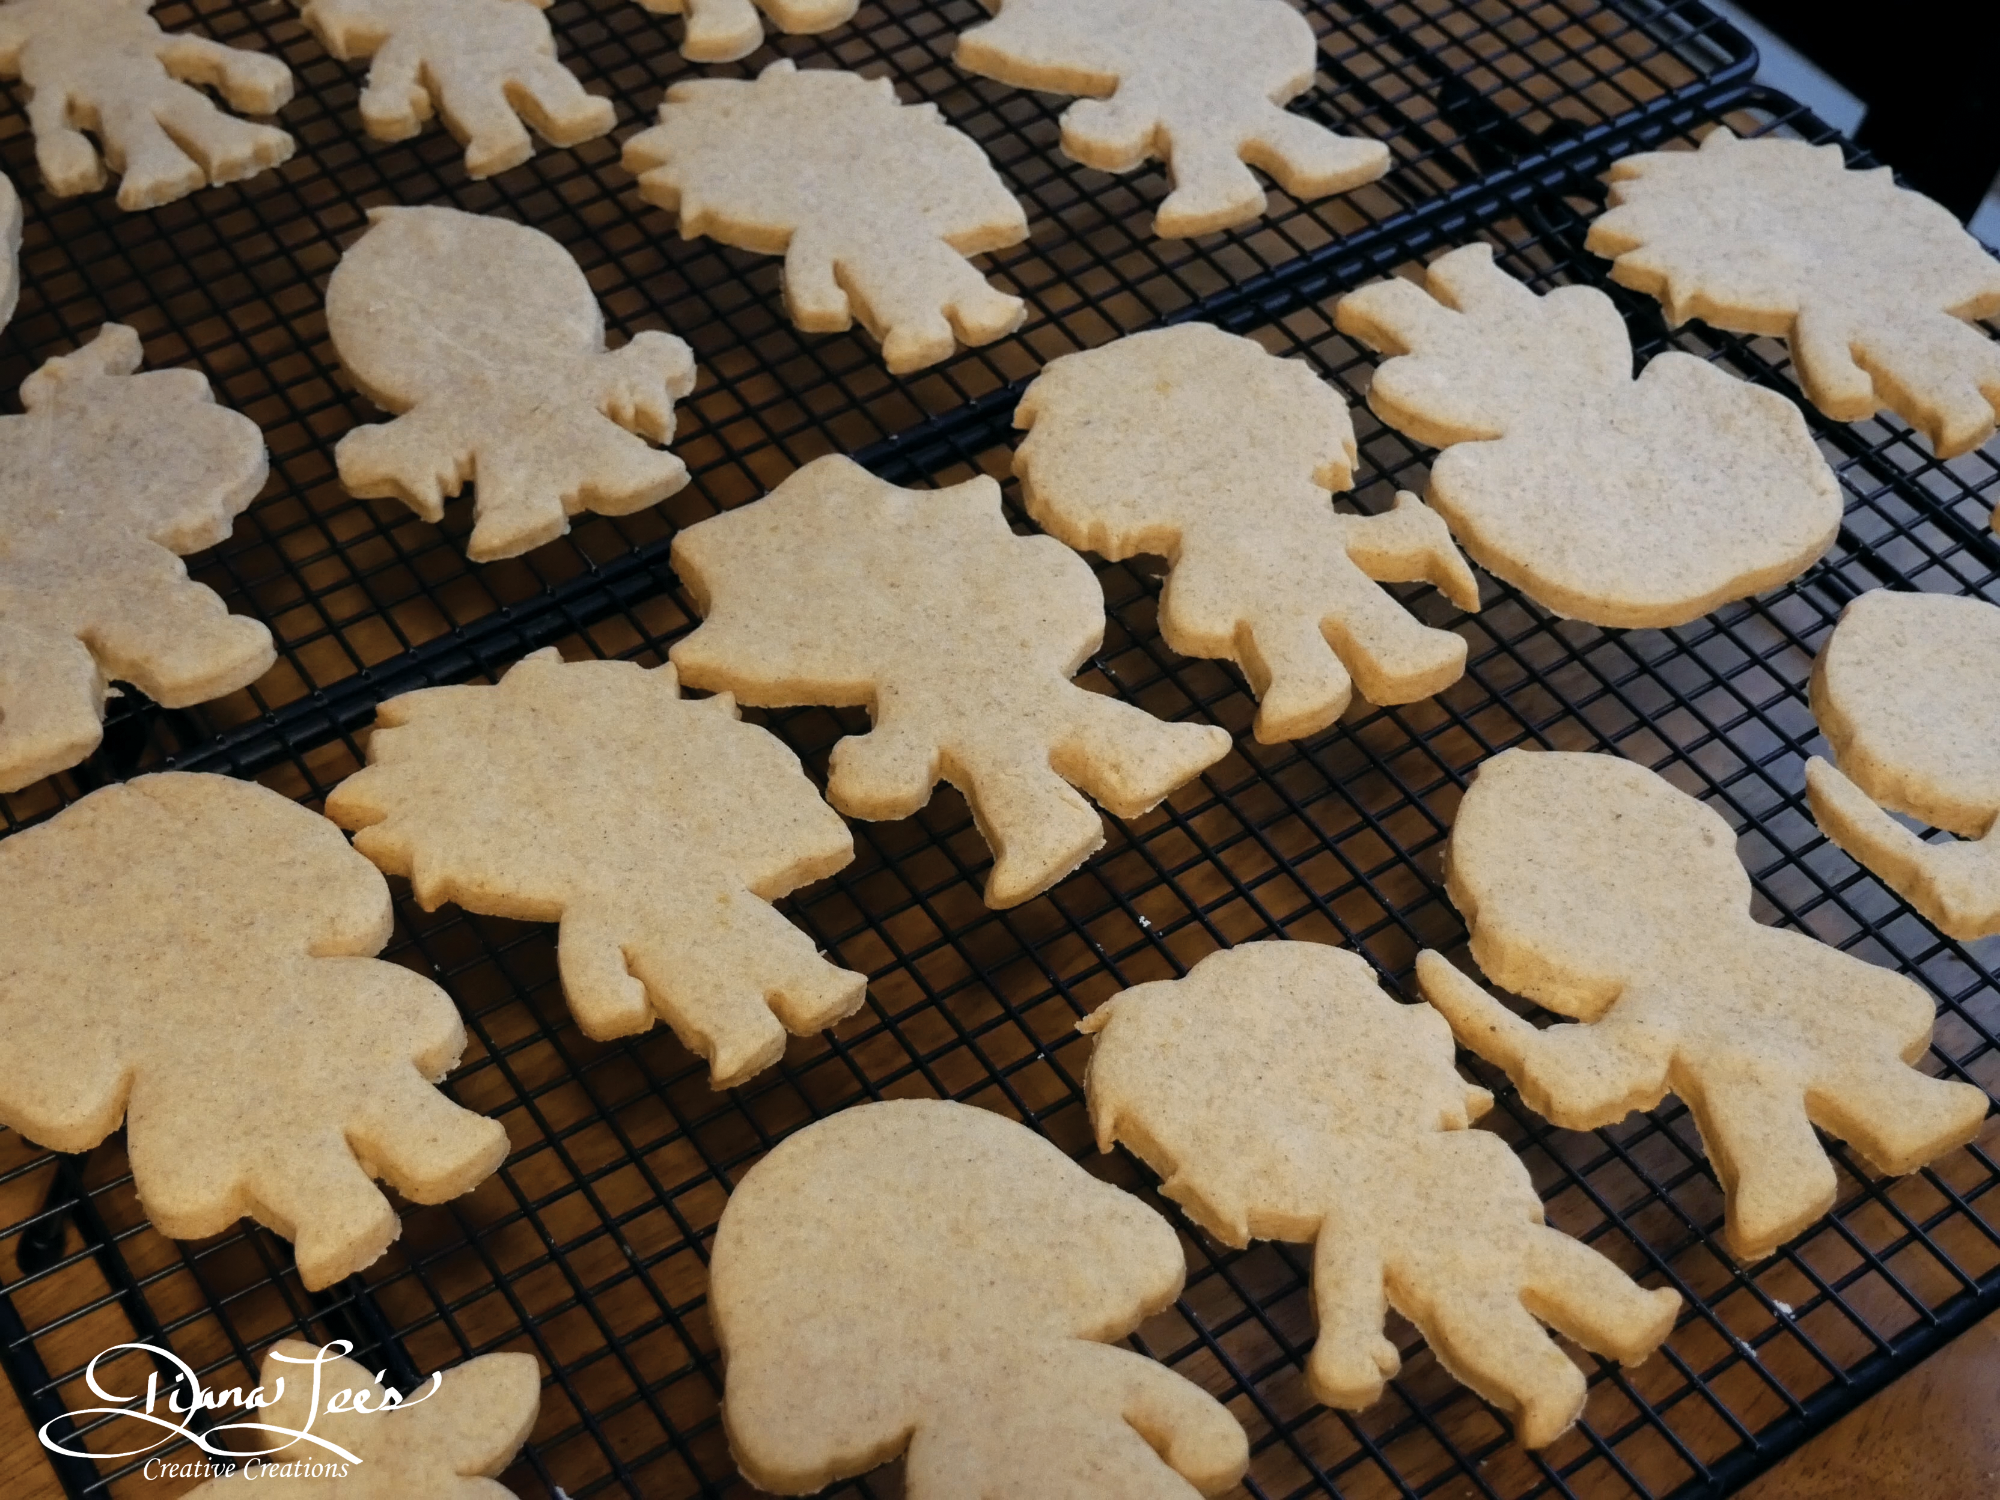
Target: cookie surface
x=1282, y=1094
x=958, y=636
x=105, y=65
x=1874, y=286
x=724, y=30
x=1596, y=889
x=10, y=249
x=446, y=1443
x=1196, y=444
x=484, y=65
x=1907, y=693
x=192, y=955
x=654, y=828
x=105, y=477
x=1200, y=84
x=1622, y=502
x=928, y=1275
x=485, y=339
x=874, y=204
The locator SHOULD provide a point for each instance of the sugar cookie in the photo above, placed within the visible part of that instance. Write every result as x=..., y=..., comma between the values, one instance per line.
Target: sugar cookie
x=487, y=339
x=1283, y=1095
x=1907, y=693
x=1200, y=84
x=443, y=1441
x=106, y=477
x=874, y=204
x=929, y=1276
x=1596, y=889
x=192, y=955
x=1195, y=444
x=106, y=67
x=724, y=30
x=10, y=249
x=1874, y=286
x=654, y=828
x=1623, y=502
x=484, y=65
x=958, y=636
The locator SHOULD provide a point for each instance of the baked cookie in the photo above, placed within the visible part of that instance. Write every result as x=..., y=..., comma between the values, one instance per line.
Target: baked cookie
x=724, y=30
x=443, y=1441
x=958, y=636
x=1199, y=84
x=10, y=249
x=1596, y=889
x=484, y=65
x=106, y=67
x=1874, y=286
x=1907, y=693
x=486, y=338
x=1281, y=1094
x=1195, y=444
x=1623, y=502
x=103, y=479
x=192, y=955
x=653, y=827
x=928, y=1276
x=874, y=204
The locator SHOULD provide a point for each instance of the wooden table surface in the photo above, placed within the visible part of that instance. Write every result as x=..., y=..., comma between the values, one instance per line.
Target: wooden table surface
x=1933, y=1435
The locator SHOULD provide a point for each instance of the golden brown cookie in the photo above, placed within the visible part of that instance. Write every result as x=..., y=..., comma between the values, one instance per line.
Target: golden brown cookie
x=653, y=827
x=1595, y=888
x=1623, y=502
x=1197, y=445
x=193, y=956
x=928, y=1276
x=724, y=30
x=958, y=636
x=1281, y=1094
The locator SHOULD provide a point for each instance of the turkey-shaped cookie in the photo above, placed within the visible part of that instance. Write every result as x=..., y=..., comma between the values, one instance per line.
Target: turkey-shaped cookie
x=443, y=1441
x=724, y=30
x=484, y=65
x=1623, y=502
x=1907, y=693
x=106, y=477
x=654, y=828
x=1873, y=285
x=1195, y=444
x=10, y=249
x=928, y=1276
x=106, y=67
x=1280, y=1093
x=192, y=955
x=487, y=338
x=1199, y=84
x=873, y=204
x=1595, y=888
x=958, y=636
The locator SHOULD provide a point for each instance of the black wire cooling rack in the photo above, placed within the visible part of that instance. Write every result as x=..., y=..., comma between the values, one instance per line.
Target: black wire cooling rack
x=589, y=1246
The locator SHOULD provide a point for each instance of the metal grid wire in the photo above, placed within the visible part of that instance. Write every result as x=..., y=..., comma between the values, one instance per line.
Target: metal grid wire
x=589, y=1246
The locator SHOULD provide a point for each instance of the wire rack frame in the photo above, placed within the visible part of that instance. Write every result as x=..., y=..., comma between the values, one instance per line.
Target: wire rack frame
x=1330, y=839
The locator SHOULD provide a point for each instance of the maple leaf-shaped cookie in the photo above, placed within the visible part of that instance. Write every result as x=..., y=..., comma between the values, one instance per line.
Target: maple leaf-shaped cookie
x=873, y=204
x=106, y=67
x=958, y=636
x=653, y=827
x=1623, y=502
x=193, y=955
x=929, y=1276
x=484, y=65
x=1197, y=445
x=1595, y=888
x=10, y=249
x=1280, y=1093
x=486, y=336
x=1200, y=84
x=443, y=1441
x=1873, y=285
x=1907, y=693
x=103, y=480
x=724, y=30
